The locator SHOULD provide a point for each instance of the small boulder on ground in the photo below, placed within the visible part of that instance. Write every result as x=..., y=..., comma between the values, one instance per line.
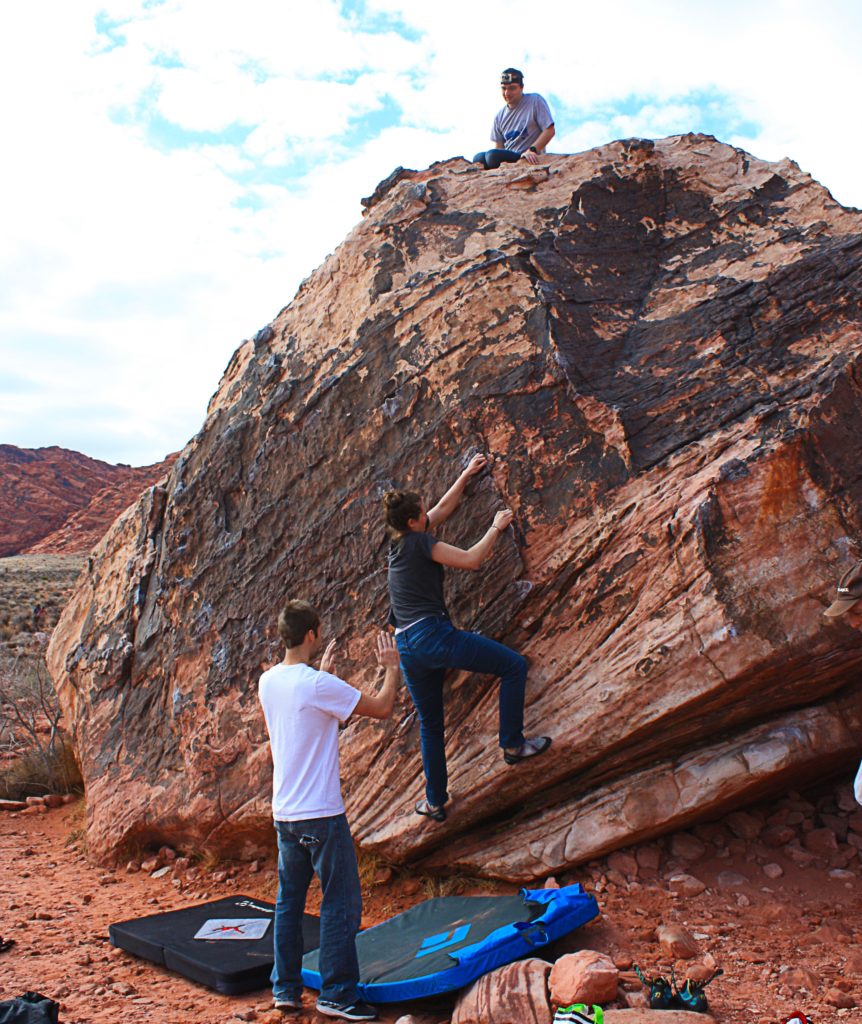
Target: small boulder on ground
x=800, y=979
x=677, y=943
x=820, y=841
x=701, y=970
x=687, y=847
x=744, y=825
x=514, y=994
x=841, y=1000
x=686, y=885
x=584, y=977
x=778, y=835
x=731, y=880
x=624, y=863
x=648, y=857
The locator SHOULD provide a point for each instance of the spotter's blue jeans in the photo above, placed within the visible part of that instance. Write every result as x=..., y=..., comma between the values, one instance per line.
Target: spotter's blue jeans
x=430, y=647
x=321, y=846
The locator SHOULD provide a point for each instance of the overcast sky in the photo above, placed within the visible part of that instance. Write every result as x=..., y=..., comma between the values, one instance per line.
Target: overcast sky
x=172, y=170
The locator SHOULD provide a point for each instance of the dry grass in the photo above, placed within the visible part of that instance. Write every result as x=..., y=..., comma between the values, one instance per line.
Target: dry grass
x=33, y=591
x=369, y=864
x=207, y=860
x=38, y=757
x=78, y=828
x=452, y=885
x=32, y=774
x=455, y=885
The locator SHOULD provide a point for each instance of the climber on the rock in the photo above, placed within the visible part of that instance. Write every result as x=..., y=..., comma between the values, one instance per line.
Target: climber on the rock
x=303, y=708
x=848, y=605
x=427, y=641
x=522, y=129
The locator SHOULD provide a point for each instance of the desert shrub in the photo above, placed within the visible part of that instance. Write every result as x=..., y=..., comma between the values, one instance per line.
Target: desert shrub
x=30, y=715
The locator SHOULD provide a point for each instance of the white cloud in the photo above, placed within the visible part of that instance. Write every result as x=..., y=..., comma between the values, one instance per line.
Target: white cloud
x=174, y=176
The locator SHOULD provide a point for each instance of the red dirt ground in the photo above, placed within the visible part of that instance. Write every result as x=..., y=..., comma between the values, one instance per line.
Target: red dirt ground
x=765, y=933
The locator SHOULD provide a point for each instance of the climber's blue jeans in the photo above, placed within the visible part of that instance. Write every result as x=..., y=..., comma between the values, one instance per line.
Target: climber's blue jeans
x=427, y=649
x=321, y=846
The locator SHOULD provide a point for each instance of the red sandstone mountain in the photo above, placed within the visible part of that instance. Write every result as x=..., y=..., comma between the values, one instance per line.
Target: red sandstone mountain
x=53, y=500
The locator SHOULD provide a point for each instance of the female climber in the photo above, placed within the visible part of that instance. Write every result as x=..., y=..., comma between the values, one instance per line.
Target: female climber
x=429, y=644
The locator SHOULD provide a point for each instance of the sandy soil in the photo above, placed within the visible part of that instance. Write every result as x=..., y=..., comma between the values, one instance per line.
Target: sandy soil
x=766, y=933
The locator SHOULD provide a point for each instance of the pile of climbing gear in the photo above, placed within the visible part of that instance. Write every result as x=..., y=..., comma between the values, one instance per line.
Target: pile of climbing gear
x=665, y=994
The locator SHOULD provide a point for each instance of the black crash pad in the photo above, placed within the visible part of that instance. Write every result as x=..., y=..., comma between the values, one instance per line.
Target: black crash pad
x=228, y=964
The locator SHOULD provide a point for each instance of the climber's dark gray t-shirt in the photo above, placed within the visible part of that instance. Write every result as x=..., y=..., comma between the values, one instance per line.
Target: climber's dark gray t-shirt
x=415, y=581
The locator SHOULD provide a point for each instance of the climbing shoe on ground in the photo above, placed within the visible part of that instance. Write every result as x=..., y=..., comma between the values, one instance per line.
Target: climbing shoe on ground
x=692, y=997
x=667, y=995
x=529, y=748
x=661, y=993
x=430, y=811
x=797, y=1018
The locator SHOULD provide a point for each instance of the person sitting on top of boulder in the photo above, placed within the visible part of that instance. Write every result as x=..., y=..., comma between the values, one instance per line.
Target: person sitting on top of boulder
x=522, y=129
x=428, y=643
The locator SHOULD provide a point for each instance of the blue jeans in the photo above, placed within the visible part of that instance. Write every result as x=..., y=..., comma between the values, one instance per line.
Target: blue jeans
x=430, y=647
x=491, y=159
x=321, y=846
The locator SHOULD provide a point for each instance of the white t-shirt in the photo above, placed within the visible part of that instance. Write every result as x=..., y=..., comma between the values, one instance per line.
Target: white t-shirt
x=518, y=129
x=857, y=785
x=303, y=709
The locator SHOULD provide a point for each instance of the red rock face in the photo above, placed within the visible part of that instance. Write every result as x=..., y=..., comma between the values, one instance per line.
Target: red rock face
x=660, y=344
x=55, y=501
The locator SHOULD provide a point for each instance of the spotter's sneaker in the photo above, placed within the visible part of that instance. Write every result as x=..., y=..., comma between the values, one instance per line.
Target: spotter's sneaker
x=346, y=1011
x=286, y=1003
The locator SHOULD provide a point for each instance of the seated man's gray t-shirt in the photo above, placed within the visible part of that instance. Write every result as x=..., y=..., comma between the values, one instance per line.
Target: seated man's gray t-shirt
x=518, y=129
x=415, y=580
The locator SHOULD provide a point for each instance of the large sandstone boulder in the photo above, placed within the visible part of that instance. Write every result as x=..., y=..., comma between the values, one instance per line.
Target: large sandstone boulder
x=660, y=344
